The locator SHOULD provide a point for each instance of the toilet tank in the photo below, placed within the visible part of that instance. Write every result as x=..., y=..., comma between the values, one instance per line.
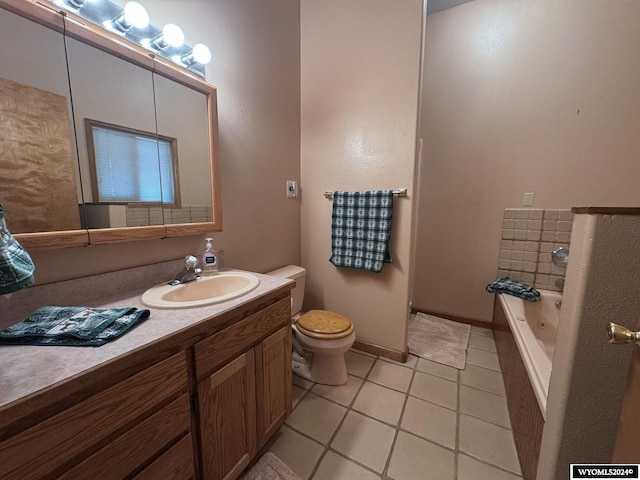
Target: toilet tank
x=294, y=272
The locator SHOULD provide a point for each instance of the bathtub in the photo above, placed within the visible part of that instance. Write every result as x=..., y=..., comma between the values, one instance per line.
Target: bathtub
x=534, y=326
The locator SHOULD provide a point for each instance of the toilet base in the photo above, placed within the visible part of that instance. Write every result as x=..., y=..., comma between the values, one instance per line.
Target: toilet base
x=302, y=369
x=321, y=368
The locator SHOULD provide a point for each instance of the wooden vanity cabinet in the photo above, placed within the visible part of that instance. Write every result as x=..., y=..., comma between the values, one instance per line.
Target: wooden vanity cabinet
x=248, y=395
x=114, y=434
x=203, y=410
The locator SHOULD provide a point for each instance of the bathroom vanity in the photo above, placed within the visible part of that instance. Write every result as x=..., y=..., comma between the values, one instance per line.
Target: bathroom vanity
x=191, y=393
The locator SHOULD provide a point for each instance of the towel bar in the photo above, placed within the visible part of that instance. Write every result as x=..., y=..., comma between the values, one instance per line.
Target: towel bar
x=401, y=192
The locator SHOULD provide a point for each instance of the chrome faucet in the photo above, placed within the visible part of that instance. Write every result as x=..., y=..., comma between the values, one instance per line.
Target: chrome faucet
x=189, y=273
x=560, y=256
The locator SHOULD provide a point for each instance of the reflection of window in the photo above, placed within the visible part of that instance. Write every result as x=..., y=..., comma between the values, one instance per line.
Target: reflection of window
x=131, y=166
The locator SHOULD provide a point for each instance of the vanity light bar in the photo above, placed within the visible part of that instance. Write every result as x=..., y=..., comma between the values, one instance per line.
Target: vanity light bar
x=132, y=22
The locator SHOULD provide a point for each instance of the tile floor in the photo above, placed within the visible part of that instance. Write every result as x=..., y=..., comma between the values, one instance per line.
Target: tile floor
x=417, y=420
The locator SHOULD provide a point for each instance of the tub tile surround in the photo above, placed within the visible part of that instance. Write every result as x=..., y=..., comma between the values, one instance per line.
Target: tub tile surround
x=528, y=238
x=393, y=429
x=145, y=216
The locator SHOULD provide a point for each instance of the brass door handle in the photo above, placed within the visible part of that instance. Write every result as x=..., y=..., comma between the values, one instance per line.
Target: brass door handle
x=619, y=334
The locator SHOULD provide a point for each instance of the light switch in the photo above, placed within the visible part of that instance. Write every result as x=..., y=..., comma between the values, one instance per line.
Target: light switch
x=292, y=188
x=527, y=201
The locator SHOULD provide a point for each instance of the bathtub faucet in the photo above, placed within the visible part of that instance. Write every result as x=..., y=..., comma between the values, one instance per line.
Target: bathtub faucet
x=558, y=304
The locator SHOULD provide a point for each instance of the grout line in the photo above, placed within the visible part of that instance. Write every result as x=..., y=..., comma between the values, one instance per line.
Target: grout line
x=484, y=389
x=482, y=331
x=474, y=362
x=407, y=394
x=349, y=407
x=333, y=450
x=496, y=467
x=431, y=402
x=480, y=347
x=397, y=427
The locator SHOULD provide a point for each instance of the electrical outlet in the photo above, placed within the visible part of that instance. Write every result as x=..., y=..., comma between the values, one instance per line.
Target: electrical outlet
x=292, y=188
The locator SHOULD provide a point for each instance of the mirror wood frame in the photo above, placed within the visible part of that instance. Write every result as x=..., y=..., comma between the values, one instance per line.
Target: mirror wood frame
x=82, y=30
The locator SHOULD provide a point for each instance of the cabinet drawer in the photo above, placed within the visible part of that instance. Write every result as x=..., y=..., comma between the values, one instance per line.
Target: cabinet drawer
x=175, y=464
x=51, y=445
x=137, y=446
x=214, y=351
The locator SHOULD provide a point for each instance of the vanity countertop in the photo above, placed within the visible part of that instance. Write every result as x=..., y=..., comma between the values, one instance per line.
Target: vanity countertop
x=29, y=370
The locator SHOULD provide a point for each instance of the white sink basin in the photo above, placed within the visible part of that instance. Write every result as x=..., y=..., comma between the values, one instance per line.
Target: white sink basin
x=204, y=291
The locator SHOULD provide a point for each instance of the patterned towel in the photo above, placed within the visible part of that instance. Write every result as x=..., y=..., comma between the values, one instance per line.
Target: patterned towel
x=72, y=326
x=360, y=229
x=16, y=267
x=512, y=287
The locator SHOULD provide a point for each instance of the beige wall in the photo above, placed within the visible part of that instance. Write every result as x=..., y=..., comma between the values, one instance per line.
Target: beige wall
x=360, y=64
x=519, y=96
x=256, y=68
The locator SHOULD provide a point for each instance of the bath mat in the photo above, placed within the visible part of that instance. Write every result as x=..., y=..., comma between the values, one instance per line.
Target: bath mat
x=269, y=467
x=439, y=340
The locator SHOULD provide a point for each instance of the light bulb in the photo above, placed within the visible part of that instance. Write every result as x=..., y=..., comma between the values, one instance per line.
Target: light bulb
x=201, y=53
x=173, y=35
x=135, y=15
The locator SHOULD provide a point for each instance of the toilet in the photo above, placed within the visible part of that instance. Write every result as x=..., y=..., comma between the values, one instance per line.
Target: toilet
x=320, y=338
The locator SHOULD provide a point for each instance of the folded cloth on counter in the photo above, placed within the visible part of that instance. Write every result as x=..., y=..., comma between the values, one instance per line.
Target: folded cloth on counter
x=16, y=267
x=515, y=288
x=72, y=326
x=361, y=228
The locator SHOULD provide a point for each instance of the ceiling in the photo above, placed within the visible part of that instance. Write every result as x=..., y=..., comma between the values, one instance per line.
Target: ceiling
x=434, y=6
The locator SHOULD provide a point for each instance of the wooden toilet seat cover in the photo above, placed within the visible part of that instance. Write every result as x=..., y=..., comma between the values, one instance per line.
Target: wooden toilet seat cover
x=324, y=324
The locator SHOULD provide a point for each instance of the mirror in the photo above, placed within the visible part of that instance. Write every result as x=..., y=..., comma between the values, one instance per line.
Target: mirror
x=112, y=96
x=181, y=113
x=114, y=107
x=39, y=183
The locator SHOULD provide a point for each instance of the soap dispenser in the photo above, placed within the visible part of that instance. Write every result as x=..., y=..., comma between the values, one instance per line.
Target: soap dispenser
x=209, y=261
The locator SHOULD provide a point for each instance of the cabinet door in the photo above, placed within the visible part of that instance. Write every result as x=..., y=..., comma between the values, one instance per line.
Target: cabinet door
x=273, y=381
x=227, y=405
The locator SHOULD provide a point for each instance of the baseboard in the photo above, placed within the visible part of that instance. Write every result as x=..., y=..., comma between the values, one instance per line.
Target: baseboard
x=389, y=353
x=470, y=321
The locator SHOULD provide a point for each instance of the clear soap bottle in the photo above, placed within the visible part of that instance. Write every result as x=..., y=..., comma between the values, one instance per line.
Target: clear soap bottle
x=209, y=260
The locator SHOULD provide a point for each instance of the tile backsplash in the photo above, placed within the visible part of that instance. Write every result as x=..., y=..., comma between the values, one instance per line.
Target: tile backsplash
x=528, y=238
x=143, y=216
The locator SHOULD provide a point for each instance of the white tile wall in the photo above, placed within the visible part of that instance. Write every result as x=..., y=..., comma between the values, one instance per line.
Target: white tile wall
x=528, y=238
